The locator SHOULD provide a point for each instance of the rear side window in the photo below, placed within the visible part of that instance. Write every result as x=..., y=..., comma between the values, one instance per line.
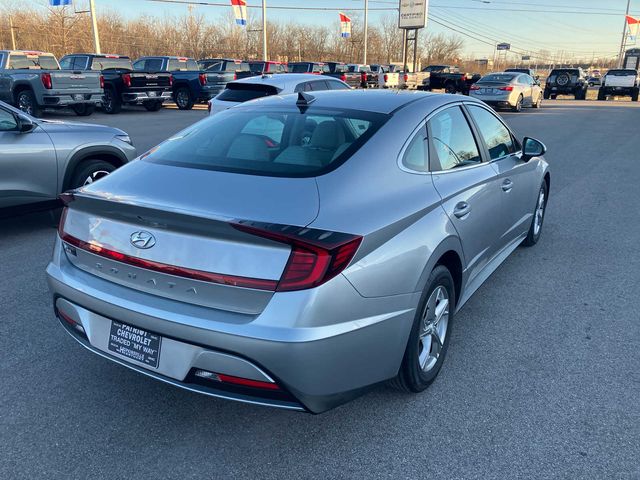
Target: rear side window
x=495, y=135
x=415, y=156
x=280, y=142
x=243, y=92
x=452, y=141
x=333, y=85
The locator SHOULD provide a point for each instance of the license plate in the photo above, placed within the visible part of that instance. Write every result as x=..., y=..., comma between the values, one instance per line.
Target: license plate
x=554, y=88
x=135, y=343
x=152, y=94
x=78, y=97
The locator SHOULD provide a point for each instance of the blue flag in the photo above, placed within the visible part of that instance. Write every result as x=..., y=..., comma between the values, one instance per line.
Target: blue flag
x=59, y=3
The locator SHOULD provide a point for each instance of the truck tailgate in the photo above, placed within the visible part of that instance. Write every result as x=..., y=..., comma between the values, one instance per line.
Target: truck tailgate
x=76, y=81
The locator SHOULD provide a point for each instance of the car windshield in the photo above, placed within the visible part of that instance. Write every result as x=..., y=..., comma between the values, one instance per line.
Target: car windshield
x=243, y=92
x=276, y=142
x=498, y=77
x=110, y=63
x=33, y=61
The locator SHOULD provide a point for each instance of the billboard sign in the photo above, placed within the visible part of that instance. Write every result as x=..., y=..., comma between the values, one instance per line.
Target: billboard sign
x=413, y=13
x=526, y=57
x=503, y=46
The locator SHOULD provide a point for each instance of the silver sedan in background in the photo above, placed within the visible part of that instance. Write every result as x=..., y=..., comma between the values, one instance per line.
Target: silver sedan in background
x=296, y=250
x=508, y=90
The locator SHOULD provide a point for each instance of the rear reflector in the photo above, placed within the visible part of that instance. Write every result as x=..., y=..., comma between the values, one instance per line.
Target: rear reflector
x=71, y=321
x=245, y=382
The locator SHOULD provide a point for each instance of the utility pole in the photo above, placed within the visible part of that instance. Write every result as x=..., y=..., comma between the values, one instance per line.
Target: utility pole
x=624, y=37
x=366, y=30
x=94, y=22
x=264, y=31
x=13, y=35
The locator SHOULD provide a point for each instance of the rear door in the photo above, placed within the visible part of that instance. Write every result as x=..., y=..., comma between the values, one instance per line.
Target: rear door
x=467, y=184
x=28, y=164
x=517, y=180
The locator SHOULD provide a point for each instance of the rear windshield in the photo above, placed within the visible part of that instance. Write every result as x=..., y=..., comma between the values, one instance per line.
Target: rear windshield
x=257, y=67
x=337, y=67
x=299, y=67
x=504, y=78
x=182, y=65
x=621, y=73
x=237, y=67
x=34, y=62
x=243, y=92
x=275, y=142
x=105, y=63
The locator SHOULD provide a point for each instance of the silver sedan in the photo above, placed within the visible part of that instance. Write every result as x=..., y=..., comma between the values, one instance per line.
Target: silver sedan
x=296, y=250
x=508, y=90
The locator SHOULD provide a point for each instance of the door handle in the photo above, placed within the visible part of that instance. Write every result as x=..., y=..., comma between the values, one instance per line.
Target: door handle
x=507, y=185
x=462, y=209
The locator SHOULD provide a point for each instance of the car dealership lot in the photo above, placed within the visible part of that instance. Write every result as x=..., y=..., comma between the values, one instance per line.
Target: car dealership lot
x=541, y=380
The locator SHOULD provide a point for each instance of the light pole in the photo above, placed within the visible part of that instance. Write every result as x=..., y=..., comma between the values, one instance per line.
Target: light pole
x=366, y=30
x=264, y=31
x=623, y=40
x=94, y=22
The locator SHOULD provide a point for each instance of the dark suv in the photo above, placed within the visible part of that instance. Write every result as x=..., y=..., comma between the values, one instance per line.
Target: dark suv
x=566, y=81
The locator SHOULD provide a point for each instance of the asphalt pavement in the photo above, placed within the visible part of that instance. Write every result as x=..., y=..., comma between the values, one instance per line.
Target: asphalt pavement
x=542, y=377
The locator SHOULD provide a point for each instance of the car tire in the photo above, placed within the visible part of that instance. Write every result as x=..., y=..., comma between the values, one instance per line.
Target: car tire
x=518, y=106
x=602, y=95
x=112, y=103
x=89, y=171
x=183, y=98
x=634, y=95
x=26, y=101
x=430, y=334
x=554, y=96
x=153, y=106
x=535, y=230
x=546, y=95
x=450, y=88
x=538, y=103
x=84, y=109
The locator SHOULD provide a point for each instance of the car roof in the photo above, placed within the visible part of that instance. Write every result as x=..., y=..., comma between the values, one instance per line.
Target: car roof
x=26, y=52
x=282, y=80
x=376, y=101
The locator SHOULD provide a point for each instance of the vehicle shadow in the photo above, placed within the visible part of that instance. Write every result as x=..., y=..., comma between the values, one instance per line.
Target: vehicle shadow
x=20, y=223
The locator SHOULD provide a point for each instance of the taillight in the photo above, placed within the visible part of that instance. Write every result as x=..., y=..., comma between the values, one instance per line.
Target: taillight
x=235, y=76
x=343, y=77
x=506, y=89
x=363, y=77
x=474, y=87
x=126, y=78
x=386, y=78
x=101, y=81
x=406, y=77
x=46, y=81
x=203, y=79
x=171, y=80
x=316, y=255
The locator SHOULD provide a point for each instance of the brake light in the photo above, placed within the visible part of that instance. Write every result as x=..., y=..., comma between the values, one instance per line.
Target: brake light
x=203, y=79
x=126, y=78
x=343, y=77
x=235, y=76
x=170, y=80
x=474, y=87
x=316, y=256
x=101, y=81
x=506, y=89
x=386, y=78
x=406, y=77
x=46, y=81
x=363, y=77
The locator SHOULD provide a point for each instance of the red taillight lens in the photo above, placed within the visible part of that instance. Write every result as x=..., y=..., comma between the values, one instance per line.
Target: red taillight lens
x=343, y=77
x=406, y=77
x=101, y=81
x=386, y=77
x=171, y=80
x=203, y=79
x=126, y=78
x=506, y=89
x=46, y=81
x=474, y=87
x=316, y=256
x=363, y=77
x=235, y=76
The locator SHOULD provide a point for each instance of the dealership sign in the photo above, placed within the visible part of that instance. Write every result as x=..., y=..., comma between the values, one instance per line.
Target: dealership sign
x=503, y=46
x=413, y=13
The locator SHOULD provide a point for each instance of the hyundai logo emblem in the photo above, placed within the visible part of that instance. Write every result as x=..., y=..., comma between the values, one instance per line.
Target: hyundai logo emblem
x=142, y=239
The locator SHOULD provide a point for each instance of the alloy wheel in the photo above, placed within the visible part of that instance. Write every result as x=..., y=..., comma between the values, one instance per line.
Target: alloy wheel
x=433, y=328
x=182, y=98
x=24, y=104
x=93, y=176
x=539, y=214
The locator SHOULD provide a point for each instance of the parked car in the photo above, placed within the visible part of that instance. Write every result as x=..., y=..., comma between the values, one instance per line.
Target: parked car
x=508, y=90
x=291, y=271
x=594, y=81
x=566, y=81
x=122, y=86
x=252, y=88
x=620, y=82
x=259, y=67
x=33, y=81
x=449, y=78
x=189, y=85
x=41, y=159
x=220, y=71
x=316, y=68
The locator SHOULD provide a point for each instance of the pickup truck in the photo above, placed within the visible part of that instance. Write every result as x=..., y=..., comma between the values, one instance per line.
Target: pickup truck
x=350, y=74
x=33, y=81
x=449, y=78
x=316, y=68
x=121, y=84
x=189, y=85
x=620, y=82
x=220, y=71
x=402, y=80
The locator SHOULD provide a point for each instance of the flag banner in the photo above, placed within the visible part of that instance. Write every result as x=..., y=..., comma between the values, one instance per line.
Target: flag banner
x=345, y=25
x=633, y=24
x=240, y=11
x=60, y=3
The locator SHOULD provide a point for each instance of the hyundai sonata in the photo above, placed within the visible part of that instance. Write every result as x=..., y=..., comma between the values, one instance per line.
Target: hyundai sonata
x=296, y=250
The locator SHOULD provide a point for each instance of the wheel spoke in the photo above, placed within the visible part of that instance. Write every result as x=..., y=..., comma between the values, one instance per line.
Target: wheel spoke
x=442, y=309
x=425, y=350
x=436, y=344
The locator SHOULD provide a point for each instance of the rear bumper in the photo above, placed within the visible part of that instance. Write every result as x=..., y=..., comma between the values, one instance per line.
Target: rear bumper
x=361, y=342
x=55, y=99
x=563, y=90
x=626, y=91
x=152, y=95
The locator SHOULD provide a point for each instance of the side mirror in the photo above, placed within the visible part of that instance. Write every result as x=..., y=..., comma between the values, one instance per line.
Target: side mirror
x=532, y=148
x=25, y=124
